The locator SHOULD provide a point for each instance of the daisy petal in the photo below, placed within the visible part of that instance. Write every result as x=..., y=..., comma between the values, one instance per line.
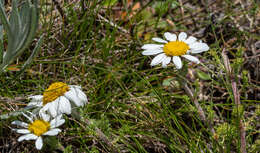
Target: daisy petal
x=75, y=86
x=158, y=59
x=36, y=97
x=169, y=36
x=159, y=40
x=190, y=40
x=44, y=115
x=27, y=137
x=19, y=123
x=177, y=61
x=82, y=96
x=39, y=143
x=152, y=52
x=31, y=137
x=151, y=46
x=52, y=132
x=166, y=61
x=72, y=96
x=57, y=121
x=182, y=36
x=23, y=131
x=192, y=58
x=64, y=106
x=198, y=47
x=21, y=138
x=34, y=104
x=51, y=108
x=77, y=96
x=29, y=118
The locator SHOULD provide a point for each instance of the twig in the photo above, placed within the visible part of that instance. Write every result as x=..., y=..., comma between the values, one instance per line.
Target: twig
x=200, y=110
x=103, y=137
x=100, y=134
x=181, y=8
x=236, y=100
x=194, y=99
x=112, y=24
x=59, y=8
x=251, y=21
x=194, y=14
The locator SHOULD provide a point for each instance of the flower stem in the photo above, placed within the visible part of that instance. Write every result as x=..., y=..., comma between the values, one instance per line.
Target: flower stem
x=236, y=99
x=99, y=133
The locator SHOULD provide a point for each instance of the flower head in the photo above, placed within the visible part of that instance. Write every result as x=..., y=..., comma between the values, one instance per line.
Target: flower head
x=173, y=48
x=57, y=98
x=38, y=127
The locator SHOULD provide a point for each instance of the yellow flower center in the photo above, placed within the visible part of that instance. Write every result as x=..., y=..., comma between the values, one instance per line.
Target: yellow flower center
x=54, y=91
x=175, y=48
x=39, y=127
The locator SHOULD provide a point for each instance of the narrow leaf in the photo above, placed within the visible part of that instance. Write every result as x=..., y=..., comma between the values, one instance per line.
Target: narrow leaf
x=34, y=53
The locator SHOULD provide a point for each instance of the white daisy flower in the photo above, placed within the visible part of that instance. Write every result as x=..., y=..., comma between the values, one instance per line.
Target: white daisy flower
x=172, y=48
x=38, y=127
x=58, y=97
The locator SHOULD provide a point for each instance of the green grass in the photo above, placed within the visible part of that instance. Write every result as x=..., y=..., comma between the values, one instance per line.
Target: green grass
x=138, y=107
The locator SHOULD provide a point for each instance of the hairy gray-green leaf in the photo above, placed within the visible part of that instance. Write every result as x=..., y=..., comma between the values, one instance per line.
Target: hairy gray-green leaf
x=20, y=29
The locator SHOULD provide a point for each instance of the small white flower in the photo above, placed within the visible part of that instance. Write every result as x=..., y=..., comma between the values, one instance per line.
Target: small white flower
x=173, y=48
x=38, y=127
x=58, y=97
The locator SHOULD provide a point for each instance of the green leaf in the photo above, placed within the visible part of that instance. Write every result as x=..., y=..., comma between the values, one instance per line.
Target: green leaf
x=34, y=53
x=167, y=82
x=203, y=75
x=108, y=3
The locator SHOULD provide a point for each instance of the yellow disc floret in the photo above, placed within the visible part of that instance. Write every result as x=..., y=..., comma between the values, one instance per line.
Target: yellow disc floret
x=54, y=91
x=39, y=127
x=175, y=48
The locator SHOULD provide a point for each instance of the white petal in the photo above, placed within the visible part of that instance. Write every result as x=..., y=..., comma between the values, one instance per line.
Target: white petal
x=152, y=52
x=23, y=131
x=35, y=103
x=64, y=106
x=81, y=95
x=57, y=121
x=159, y=40
x=21, y=138
x=51, y=108
x=31, y=137
x=29, y=118
x=192, y=58
x=52, y=132
x=77, y=96
x=33, y=115
x=72, y=96
x=44, y=115
x=151, y=46
x=36, y=97
x=27, y=137
x=198, y=47
x=75, y=86
x=182, y=36
x=39, y=143
x=170, y=37
x=190, y=40
x=59, y=117
x=158, y=59
x=166, y=61
x=177, y=61
x=19, y=123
